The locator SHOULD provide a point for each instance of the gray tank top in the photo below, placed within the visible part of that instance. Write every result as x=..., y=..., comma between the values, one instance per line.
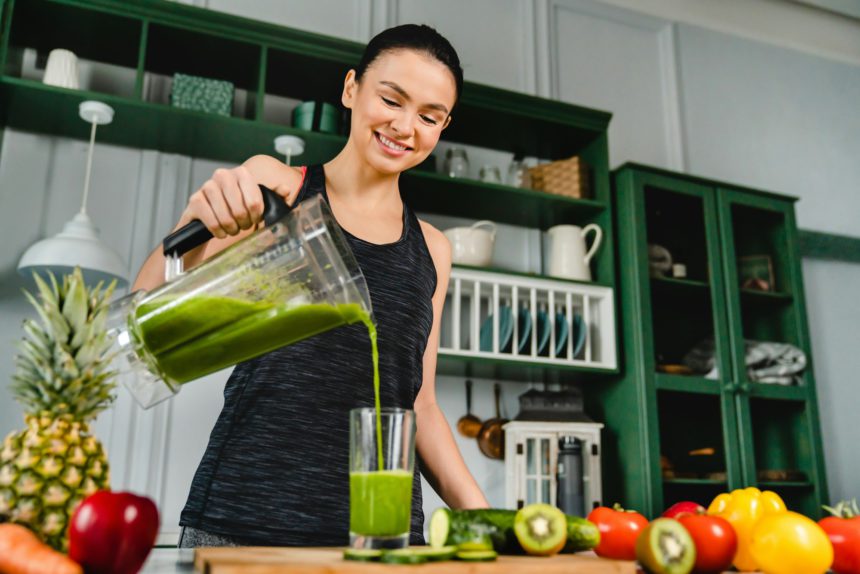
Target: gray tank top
x=275, y=471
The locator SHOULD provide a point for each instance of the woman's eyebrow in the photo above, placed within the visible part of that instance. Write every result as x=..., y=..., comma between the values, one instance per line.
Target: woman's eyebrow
x=405, y=96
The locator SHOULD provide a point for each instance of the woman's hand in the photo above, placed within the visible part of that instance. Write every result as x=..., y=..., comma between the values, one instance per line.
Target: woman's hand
x=227, y=203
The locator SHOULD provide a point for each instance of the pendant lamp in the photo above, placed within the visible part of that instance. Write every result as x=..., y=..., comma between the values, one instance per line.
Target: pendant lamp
x=78, y=244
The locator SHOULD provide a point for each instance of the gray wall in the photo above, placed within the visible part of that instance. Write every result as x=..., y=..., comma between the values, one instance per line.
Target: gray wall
x=683, y=97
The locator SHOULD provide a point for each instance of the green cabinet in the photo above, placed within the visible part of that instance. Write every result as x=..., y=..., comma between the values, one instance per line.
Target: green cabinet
x=697, y=432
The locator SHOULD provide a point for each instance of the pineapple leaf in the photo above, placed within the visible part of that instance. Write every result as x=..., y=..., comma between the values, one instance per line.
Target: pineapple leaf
x=58, y=328
x=75, y=305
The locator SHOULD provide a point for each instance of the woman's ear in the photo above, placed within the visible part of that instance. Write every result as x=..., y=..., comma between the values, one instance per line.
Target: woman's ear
x=447, y=122
x=350, y=87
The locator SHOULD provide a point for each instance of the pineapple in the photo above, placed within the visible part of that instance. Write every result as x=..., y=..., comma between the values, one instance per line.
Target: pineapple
x=63, y=381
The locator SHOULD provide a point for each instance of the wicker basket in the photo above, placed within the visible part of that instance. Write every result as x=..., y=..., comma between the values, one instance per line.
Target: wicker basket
x=567, y=177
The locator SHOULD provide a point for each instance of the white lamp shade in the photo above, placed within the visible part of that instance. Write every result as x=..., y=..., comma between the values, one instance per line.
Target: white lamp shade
x=77, y=245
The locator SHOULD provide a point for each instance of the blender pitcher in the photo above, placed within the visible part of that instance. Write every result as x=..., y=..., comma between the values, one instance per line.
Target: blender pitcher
x=292, y=279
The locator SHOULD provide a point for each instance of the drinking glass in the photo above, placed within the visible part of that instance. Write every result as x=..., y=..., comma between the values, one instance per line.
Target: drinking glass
x=456, y=162
x=381, y=467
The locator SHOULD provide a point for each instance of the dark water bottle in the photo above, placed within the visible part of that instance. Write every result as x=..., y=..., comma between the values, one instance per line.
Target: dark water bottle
x=570, y=496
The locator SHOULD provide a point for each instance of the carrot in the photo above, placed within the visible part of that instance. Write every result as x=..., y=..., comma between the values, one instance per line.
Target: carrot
x=21, y=552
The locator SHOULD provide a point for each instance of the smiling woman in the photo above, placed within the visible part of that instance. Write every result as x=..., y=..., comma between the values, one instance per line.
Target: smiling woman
x=276, y=470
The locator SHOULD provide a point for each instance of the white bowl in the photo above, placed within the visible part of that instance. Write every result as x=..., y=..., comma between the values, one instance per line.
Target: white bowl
x=472, y=245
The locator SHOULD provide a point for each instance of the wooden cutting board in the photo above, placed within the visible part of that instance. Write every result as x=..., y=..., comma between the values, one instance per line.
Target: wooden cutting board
x=252, y=560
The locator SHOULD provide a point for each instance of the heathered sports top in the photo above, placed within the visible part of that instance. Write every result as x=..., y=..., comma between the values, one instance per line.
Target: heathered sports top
x=275, y=471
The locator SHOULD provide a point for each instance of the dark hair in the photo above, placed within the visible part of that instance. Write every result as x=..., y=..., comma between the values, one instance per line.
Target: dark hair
x=421, y=38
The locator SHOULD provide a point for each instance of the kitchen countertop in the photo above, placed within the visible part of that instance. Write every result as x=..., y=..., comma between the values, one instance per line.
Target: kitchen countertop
x=169, y=561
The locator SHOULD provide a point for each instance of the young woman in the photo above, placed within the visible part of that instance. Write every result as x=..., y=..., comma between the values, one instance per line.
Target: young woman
x=275, y=471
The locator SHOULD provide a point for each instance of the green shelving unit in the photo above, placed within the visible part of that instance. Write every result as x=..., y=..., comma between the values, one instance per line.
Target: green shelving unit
x=695, y=436
x=151, y=39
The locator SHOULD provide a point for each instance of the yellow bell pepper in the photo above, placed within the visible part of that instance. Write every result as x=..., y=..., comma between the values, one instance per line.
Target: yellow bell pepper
x=790, y=543
x=743, y=508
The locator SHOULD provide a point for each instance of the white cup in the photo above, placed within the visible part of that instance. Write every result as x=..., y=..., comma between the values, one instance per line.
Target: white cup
x=62, y=69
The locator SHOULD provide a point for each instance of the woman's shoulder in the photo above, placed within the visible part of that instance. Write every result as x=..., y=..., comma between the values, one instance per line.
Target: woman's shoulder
x=274, y=173
x=438, y=245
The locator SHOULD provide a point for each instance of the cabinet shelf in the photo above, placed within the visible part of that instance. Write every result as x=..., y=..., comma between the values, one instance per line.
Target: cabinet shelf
x=693, y=285
x=788, y=393
x=776, y=484
x=687, y=384
x=33, y=106
x=776, y=297
x=693, y=482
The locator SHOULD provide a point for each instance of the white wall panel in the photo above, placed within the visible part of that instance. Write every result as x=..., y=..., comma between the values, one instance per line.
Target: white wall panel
x=341, y=18
x=774, y=119
x=615, y=60
x=492, y=37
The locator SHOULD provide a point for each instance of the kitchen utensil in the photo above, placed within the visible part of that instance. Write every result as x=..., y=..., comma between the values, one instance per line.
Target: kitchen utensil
x=659, y=260
x=491, y=438
x=570, y=495
x=317, y=116
x=469, y=425
x=456, y=162
x=472, y=245
x=490, y=174
x=280, y=560
x=568, y=257
x=379, y=499
x=61, y=69
x=518, y=174
x=281, y=284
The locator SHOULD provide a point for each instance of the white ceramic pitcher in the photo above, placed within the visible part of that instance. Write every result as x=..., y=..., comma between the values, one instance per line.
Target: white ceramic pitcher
x=568, y=257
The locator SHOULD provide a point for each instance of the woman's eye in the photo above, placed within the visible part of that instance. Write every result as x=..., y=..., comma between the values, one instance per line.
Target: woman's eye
x=391, y=103
x=429, y=120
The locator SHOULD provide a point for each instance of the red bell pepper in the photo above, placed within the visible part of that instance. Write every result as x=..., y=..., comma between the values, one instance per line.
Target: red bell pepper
x=113, y=532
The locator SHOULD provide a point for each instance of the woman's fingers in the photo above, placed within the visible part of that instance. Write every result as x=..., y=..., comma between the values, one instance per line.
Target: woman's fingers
x=218, y=206
x=252, y=197
x=231, y=191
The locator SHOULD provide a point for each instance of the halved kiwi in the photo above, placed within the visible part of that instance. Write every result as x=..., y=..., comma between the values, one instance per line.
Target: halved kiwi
x=665, y=547
x=541, y=529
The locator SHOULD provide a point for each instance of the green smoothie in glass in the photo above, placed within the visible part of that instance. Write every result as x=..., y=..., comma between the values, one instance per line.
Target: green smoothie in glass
x=380, y=502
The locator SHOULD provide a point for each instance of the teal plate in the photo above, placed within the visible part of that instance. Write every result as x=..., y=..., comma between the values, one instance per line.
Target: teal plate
x=506, y=330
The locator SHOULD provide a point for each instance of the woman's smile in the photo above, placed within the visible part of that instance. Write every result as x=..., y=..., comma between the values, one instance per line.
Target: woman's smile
x=390, y=146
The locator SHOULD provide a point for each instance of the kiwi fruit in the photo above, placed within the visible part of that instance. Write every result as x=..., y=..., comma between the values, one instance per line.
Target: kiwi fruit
x=541, y=529
x=665, y=547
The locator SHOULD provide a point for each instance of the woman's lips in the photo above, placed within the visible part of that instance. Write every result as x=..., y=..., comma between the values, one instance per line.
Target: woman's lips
x=389, y=150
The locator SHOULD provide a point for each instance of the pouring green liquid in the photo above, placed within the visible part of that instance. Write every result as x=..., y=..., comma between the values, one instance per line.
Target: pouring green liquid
x=190, y=337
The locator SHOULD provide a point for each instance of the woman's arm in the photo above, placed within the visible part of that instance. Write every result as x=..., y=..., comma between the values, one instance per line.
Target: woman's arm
x=443, y=464
x=230, y=205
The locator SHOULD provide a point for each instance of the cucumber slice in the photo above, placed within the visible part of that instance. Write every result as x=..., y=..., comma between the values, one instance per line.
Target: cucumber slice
x=440, y=527
x=436, y=554
x=362, y=554
x=477, y=555
x=404, y=556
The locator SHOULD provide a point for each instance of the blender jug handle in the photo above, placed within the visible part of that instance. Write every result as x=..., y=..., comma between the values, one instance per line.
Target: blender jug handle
x=195, y=233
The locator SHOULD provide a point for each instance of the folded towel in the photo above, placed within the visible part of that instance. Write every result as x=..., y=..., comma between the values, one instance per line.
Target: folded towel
x=766, y=362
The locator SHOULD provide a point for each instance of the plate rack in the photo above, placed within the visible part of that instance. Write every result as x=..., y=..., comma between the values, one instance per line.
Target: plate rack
x=478, y=321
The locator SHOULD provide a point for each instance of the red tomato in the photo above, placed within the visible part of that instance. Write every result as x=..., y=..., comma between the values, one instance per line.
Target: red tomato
x=844, y=534
x=685, y=507
x=619, y=530
x=715, y=539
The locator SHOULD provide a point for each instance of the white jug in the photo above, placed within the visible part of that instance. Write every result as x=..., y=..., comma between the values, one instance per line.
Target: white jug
x=568, y=258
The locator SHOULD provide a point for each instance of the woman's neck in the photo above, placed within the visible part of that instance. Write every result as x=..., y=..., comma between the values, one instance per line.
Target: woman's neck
x=354, y=183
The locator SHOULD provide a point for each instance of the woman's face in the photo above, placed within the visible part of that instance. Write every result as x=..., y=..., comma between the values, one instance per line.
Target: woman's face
x=399, y=109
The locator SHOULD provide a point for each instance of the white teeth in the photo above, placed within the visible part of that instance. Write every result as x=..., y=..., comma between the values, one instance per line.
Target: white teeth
x=391, y=144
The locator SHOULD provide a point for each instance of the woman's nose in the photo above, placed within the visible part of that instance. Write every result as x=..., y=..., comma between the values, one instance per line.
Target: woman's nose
x=403, y=124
